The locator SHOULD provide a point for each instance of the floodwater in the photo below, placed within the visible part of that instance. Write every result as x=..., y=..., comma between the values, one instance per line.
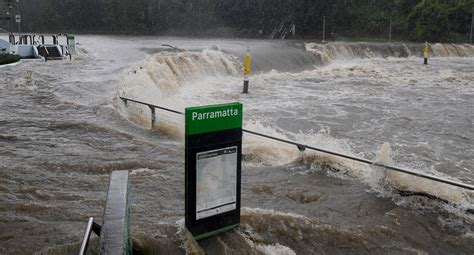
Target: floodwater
x=63, y=130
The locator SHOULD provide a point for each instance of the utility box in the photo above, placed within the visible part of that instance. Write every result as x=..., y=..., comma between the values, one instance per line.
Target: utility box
x=71, y=43
x=213, y=152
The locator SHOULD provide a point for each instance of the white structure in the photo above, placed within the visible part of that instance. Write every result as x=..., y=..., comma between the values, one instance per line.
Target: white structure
x=35, y=47
x=5, y=46
x=25, y=51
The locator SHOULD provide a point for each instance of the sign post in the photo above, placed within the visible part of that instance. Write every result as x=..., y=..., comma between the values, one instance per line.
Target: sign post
x=18, y=18
x=426, y=53
x=247, y=71
x=213, y=168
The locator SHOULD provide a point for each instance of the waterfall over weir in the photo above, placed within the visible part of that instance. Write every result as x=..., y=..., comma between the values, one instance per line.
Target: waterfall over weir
x=326, y=53
x=63, y=130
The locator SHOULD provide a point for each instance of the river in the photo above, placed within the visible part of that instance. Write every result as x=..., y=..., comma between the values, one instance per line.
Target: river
x=63, y=130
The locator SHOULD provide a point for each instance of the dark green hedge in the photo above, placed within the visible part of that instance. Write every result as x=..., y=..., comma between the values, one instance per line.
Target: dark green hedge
x=9, y=58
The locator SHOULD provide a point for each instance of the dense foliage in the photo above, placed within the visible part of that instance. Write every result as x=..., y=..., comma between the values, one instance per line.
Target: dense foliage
x=8, y=58
x=419, y=20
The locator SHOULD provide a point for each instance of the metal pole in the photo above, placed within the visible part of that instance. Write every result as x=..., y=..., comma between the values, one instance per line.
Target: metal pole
x=246, y=86
x=10, y=13
x=426, y=53
x=87, y=235
x=247, y=60
x=10, y=23
x=153, y=116
x=18, y=12
x=324, y=28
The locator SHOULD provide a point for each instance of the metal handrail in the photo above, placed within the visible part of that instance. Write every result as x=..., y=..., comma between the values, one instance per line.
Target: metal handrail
x=91, y=227
x=151, y=105
x=302, y=147
x=87, y=235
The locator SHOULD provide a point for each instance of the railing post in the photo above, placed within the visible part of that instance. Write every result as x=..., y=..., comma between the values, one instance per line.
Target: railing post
x=125, y=101
x=87, y=235
x=301, y=147
x=246, y=71
x=153, y=116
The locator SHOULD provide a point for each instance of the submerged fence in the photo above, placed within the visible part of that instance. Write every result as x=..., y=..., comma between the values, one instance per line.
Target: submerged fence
x=303, y=147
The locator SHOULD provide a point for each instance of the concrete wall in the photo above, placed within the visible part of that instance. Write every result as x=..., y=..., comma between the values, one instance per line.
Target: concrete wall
x=25, y=50
x=22, y=50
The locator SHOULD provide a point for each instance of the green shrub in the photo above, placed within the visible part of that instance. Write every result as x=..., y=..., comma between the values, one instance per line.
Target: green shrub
x=8, y=58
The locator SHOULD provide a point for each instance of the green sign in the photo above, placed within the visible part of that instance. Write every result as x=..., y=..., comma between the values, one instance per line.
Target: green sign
x=213, y=156
x=206, y=119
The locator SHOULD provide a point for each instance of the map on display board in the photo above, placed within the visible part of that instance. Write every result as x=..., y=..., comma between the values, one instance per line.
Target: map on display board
x=216, y=190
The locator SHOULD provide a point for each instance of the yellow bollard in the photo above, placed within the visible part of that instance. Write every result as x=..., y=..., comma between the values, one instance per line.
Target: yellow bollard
x=426, y=53
x=247, y=71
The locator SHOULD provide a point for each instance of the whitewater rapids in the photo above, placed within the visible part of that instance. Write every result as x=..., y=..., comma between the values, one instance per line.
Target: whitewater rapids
x=63, y=129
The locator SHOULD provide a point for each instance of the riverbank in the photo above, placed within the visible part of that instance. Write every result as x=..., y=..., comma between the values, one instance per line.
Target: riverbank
x=9, y=59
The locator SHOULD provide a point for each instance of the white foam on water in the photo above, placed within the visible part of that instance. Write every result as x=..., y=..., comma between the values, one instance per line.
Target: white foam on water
x=177, y=80
x=141, y=171
x=452, y=50
x=274, y=153
x=271, y=212
x=378, y=178
x=146, y=172
x=261, y=151
x=160, y=80
x=268, y=249
x=327, y=53
x=81, y=52
x=161, y=76
x=252, y=237
x=405, y=182
x=275, y=249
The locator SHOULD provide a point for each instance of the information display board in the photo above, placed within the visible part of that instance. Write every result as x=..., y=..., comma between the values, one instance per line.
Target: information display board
x=216, y=181
x=213, y=166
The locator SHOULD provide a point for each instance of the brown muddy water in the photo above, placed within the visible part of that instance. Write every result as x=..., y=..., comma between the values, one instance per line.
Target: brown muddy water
x=63, y=131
